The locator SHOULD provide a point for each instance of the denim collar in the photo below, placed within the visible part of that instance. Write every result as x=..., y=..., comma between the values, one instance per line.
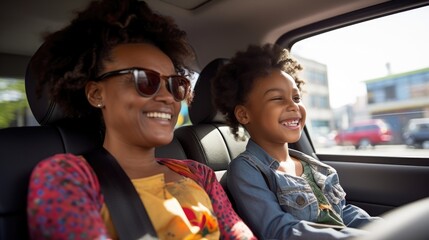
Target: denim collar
x=253, y=148
x=262, y=155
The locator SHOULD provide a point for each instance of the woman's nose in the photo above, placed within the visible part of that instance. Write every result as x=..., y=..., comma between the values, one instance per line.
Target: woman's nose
x=163, y=93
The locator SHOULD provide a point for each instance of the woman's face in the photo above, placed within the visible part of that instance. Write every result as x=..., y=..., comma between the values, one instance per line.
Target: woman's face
x=274, y=109
x=130, y=118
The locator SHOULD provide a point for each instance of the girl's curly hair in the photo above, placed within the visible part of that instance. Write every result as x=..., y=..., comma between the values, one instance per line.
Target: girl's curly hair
x=235, y=79
x=71, y=57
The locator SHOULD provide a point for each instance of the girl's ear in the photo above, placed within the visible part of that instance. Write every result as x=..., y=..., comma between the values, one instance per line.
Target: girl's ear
x=241, y=114
x=93, y=92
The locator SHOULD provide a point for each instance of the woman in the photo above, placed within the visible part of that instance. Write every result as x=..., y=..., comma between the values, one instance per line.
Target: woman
x=127, y=65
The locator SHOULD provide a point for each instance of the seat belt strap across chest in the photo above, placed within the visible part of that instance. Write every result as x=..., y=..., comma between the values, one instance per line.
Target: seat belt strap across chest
x=128, y=214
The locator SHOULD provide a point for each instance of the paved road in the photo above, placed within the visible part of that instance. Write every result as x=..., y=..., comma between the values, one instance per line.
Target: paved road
x=384, y=150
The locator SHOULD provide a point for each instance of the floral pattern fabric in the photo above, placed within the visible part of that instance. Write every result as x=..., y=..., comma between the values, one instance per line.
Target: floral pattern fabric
x=65, y=201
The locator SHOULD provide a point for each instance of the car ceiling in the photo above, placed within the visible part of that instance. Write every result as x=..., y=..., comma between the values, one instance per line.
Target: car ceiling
x=216, y=28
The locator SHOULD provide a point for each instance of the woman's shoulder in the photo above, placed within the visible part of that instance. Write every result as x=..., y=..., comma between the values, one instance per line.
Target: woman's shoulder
x=186, y=166
x=63, y=160
x=65, y=163
x=189, y=168
x=189, y=163
x=60, y=159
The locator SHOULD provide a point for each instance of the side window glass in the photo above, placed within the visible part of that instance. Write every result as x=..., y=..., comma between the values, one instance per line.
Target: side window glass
x=183, y=118
x=375, y=73
x=14, y=109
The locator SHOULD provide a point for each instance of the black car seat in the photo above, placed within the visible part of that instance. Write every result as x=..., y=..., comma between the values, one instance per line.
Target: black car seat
x=21, y=148
x=208, y=140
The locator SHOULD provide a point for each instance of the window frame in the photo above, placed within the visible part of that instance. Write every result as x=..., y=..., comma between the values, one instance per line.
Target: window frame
x=288, y=39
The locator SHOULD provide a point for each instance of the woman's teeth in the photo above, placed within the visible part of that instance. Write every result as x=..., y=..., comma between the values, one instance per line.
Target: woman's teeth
x=159, y=115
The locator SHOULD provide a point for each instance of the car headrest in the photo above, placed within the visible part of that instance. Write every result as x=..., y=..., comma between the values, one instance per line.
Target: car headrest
x=202, y=109
x=44, y=109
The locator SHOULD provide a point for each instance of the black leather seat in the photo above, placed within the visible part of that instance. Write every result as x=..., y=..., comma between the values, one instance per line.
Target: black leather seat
x=21, y=148
x=208, y=140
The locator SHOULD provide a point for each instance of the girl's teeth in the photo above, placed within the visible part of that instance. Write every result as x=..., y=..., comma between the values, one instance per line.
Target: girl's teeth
x=291, y=123
x=159, y=115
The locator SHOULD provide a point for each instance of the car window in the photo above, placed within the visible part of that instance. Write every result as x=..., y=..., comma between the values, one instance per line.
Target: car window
x=376, y=69
x=14, y=110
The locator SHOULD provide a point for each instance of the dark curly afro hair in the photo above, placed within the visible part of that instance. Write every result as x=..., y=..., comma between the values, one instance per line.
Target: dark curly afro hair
x=74, y=55
x=235, y=79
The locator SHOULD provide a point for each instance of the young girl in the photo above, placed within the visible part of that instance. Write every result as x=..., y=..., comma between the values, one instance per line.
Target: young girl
x=279, y=192
x=126, y=65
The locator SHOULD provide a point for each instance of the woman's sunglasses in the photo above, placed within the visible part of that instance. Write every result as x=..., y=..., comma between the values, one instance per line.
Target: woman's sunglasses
x=148, y=82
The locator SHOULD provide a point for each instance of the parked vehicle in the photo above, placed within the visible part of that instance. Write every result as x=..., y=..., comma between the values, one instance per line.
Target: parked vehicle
x=365, y=134
x=377, y=181
x=416, y=133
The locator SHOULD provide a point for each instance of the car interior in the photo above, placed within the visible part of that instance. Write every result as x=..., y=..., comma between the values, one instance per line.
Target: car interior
x=380, y=184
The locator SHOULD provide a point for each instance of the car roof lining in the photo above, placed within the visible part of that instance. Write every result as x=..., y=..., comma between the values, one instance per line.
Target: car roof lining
x=218, y=21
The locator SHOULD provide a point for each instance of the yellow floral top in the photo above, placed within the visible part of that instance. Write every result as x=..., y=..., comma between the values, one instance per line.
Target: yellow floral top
x=65, y=202
x=179, y=210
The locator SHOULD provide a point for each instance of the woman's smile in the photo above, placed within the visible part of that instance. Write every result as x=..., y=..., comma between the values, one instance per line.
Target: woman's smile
x=159, y=115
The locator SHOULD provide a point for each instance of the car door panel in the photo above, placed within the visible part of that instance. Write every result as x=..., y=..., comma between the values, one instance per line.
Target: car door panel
x=379, y=187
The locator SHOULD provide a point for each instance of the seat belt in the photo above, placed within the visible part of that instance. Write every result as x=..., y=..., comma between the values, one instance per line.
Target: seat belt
x=127, y=211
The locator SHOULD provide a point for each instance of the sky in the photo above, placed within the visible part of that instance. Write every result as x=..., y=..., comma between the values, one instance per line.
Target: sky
x=361, y=52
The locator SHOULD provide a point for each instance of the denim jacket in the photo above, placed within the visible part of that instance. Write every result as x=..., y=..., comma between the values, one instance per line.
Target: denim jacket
x=279, y=206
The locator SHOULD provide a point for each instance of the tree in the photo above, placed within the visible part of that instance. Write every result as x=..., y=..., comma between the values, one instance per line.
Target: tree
x=13, y=102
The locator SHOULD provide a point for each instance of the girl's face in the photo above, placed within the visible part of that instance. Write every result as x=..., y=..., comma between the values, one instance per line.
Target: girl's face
x=130, y=118
x=273, y=112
